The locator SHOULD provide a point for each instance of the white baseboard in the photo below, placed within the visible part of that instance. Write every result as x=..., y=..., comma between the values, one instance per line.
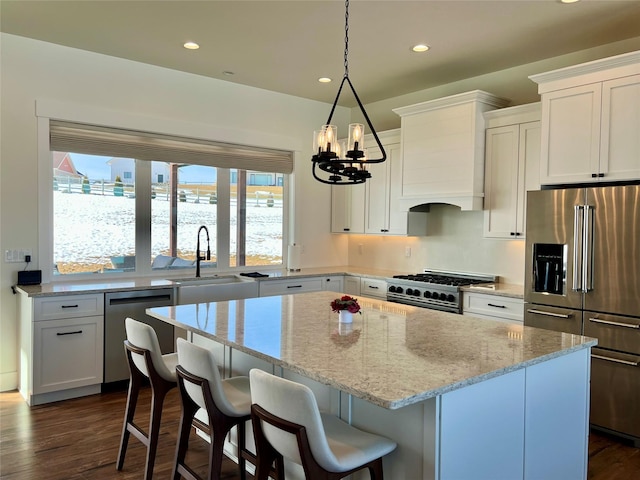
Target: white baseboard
x=8, y=381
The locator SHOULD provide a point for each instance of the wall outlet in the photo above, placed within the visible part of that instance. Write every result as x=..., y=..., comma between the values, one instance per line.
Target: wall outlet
x=16, y=255
x=407, y=251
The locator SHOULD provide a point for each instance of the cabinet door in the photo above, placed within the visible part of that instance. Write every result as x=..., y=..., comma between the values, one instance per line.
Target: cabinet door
x=528, y=170
x=570, y=147
x=373, y=287
x=352, y=285
x=285, y=287
x=334, y=283
x=347, y=208
x=501, y=181
x=620, y=142
x=383, y=191
x=67, y=353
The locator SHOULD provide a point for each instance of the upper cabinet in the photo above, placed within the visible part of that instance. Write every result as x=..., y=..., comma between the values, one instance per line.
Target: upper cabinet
x=443, y=150
x=590, y=121
x=512, y=167
x=373, y=207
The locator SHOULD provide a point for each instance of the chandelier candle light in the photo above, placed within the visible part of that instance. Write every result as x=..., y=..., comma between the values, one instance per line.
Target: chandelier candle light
x=344, y=164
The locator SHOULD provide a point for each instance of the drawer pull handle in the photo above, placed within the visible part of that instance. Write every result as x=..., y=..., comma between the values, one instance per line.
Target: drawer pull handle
x=617, y=324
x=495, y=306
x=549, y=314
x=615, y=360
x=294, y=286
x=69, y=306
x=69, y=333
x=375, y=288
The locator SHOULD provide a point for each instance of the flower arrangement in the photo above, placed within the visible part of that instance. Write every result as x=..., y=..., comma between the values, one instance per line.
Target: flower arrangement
x=346, y=303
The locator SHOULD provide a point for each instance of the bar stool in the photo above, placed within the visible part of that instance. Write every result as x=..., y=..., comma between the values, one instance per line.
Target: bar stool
x=145, y=361
x=287, y=423
x=211, y=404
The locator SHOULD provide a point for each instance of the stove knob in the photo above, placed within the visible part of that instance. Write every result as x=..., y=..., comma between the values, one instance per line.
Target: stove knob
x=409, y=291
x=416, y=292
x=392, y=289
x=451, y=298
x=443, y=296
x=427, y=294
x=399, y=290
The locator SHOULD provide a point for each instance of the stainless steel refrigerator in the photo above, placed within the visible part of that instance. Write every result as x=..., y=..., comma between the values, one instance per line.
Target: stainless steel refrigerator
x=582, y=276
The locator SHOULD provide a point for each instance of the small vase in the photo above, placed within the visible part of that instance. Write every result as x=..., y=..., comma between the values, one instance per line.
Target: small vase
x=345, y=316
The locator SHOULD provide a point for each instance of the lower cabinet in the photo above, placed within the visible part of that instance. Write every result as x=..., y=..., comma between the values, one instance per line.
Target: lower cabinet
x=62, y=345
x=294, y=285
x=493, y=307
x=352, y=285
x=333, y=283
x=373, y=287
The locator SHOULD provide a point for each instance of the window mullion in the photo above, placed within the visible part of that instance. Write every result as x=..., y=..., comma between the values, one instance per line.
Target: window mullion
x=143, y=217
x=223, y=217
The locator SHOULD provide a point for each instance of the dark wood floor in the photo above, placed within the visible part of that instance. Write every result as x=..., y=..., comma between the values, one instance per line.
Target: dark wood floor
x=78, y=439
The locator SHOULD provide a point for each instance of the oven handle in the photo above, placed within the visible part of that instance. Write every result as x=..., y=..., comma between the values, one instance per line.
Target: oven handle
x=615, y=360
x=549, y=314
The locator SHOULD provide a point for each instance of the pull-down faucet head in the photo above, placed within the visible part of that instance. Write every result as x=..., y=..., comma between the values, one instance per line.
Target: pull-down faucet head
x=200, y=257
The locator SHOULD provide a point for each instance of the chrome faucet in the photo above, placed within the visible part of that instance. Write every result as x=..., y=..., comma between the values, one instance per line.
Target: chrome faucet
x=199, y=257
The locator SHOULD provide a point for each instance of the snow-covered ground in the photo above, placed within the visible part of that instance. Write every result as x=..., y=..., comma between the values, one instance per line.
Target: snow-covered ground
x=89, y=229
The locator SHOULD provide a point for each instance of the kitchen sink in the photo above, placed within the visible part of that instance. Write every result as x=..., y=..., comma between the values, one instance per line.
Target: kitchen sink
x=214, y=288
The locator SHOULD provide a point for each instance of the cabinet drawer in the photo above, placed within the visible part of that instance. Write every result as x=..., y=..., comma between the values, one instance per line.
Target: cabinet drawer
x=51, y=308
x=67, y=354
x=494, y=305
x=372, y=287
x=299, y=285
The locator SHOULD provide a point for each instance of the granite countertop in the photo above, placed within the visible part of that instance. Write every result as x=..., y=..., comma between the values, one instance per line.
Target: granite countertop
x=143, y=283
x=499, y=289
x=392, y=355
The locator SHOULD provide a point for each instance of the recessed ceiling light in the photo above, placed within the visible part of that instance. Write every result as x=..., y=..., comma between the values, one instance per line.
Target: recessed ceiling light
x=228, y=73
x=420, y=48
x=324, y=80
x=569, y=1
x=191, y=46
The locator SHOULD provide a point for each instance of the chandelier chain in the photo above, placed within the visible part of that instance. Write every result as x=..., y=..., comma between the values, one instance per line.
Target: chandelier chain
x=346, y=39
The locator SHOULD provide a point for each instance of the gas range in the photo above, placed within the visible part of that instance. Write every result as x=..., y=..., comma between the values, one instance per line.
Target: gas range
x=436, y=289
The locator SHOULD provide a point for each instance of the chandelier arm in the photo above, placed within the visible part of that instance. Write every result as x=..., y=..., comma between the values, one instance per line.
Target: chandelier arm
x=366, y=117
x=335, y=102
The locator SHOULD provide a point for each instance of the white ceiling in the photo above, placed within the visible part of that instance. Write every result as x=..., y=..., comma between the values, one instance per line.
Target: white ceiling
x=285, y=46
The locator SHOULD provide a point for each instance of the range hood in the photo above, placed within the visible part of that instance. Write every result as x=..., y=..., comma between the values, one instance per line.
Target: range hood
x=443, y=150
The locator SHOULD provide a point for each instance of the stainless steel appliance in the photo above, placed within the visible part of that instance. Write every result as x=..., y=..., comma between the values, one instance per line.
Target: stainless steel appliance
x=582, y=276
x=120, y=305
x=435, y=289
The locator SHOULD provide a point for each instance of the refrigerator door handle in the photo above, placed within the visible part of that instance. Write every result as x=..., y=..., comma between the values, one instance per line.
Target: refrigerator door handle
x=587, y=249
x=615, y=360
x=548, y=314
x=578, y=232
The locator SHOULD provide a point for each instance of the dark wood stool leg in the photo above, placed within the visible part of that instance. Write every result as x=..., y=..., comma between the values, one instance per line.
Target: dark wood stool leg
x=159, y=392
x=189, y=409
x=242, y=440
x=132, y=400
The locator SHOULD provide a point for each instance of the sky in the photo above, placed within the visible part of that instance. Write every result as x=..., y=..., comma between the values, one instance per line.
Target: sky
x=96, y=168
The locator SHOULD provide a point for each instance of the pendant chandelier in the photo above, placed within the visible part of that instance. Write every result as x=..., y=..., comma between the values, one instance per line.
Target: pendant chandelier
x=344, y=164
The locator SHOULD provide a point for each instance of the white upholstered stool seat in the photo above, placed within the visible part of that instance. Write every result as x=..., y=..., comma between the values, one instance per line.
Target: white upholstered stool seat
x=212, y=404
x=287, y=423
x=145, y=360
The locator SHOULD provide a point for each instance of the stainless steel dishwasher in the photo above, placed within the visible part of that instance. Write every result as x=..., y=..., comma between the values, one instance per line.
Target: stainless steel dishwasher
x=120, y=305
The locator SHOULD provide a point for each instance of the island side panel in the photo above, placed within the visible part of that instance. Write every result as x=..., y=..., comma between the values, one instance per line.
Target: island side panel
x=482, y=430
x=557, y=418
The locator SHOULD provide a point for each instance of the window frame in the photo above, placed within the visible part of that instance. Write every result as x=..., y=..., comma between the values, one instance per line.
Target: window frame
x=47, y=110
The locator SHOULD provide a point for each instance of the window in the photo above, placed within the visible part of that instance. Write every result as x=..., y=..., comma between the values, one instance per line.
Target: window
x=128, y=214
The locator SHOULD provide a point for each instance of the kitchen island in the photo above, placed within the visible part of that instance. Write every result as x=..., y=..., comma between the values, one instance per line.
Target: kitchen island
x=464, y=398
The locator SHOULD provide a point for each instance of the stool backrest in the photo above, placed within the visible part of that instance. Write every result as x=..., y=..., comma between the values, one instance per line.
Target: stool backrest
x=296, y=403
x=144, y=336
x=200, y=362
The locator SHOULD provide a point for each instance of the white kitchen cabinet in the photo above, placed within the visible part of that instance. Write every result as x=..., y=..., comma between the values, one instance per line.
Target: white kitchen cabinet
x=493, y=307
x=373, y=287
x=347, y=208
x=590, y=121
x=352, y=285
x=62, y=342
x=292, y=285
x=333, y=283
x=512, y=168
